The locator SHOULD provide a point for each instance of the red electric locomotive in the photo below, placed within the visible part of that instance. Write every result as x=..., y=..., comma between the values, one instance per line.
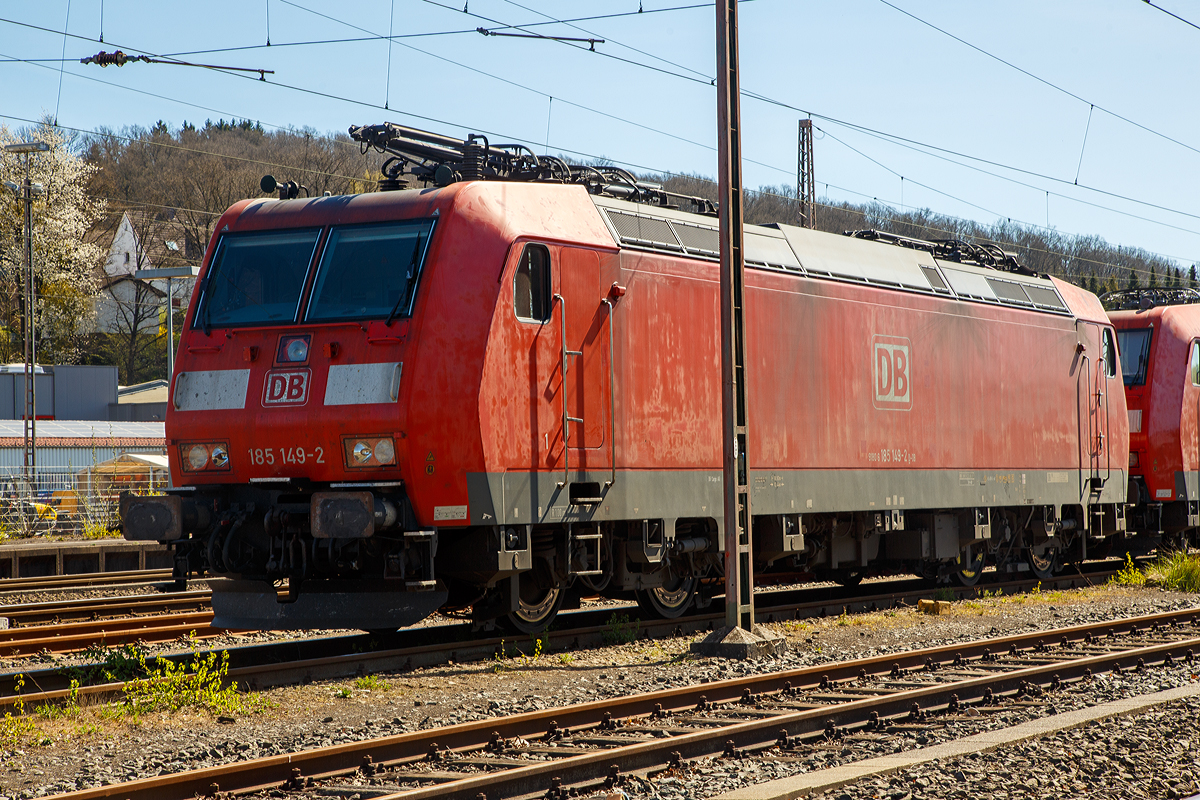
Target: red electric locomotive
x=506, y=384
x=1158, y=332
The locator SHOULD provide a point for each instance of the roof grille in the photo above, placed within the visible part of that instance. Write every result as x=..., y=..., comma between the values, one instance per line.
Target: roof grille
x=644, y=231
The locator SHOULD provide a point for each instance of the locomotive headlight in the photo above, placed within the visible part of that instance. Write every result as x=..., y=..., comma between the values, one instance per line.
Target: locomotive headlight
x=297, y=350
x=385, y=451
x=197, y=457
x=202, y=456
x=293, y=349
x=369, y=452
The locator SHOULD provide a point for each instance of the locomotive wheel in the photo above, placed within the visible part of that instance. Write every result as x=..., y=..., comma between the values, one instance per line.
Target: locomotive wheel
x=848, y=577
x=536, y=608
x=669, y=601
x=1044, y=565
x=969, y=568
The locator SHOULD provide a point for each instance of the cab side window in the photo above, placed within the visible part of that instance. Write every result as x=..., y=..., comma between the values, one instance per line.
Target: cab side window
x=531, y=284
x=1194, y=364
x=1110, y=354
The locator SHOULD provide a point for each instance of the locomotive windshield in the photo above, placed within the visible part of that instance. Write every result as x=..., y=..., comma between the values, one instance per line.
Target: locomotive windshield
x=369, y=271
x=256, y=278
x=1134, y=346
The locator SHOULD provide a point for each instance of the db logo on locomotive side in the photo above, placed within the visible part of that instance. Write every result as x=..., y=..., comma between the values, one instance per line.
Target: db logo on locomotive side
x=286, y=387
x=893, y=373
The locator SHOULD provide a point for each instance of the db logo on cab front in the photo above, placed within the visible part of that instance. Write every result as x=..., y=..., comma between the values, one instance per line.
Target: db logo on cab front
x=893, y=373
x=286, y=387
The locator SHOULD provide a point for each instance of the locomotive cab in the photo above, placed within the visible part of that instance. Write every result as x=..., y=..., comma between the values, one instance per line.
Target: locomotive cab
x=1159, y=336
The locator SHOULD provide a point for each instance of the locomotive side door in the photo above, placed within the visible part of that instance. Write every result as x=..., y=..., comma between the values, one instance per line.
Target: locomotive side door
x=1097, y=374
x=585, y=366
x=1189, y=426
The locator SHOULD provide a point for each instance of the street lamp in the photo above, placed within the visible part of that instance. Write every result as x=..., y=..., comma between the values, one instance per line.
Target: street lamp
x=168, y=273
x=27, y=191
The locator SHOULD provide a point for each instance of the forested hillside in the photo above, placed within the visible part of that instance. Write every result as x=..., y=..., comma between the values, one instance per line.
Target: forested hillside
x=166, y=188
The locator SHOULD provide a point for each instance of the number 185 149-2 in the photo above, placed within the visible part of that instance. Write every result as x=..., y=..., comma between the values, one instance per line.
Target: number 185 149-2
x=285, y=455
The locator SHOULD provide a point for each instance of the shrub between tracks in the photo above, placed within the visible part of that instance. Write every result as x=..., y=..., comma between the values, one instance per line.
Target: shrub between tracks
x=1177, y=570
x=170, y=686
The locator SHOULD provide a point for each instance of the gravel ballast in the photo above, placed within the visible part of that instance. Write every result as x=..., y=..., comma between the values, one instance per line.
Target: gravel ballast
x=95, y=748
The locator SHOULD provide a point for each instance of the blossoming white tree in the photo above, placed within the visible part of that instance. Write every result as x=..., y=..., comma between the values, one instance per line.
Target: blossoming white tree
x=64, y=264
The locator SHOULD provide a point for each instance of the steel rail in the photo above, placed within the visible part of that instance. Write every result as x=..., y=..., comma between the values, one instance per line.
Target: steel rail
x=83, y=580
x=58, y=611
x=292, y=770
x=72, y=636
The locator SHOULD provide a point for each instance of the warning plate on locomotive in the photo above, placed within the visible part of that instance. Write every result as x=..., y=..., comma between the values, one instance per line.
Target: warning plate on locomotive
x=449, y=512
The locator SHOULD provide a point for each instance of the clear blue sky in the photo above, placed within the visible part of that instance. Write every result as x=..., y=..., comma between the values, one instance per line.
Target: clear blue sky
x=643, y=99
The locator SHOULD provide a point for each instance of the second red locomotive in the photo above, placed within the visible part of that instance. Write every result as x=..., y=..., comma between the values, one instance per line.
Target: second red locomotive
x=1158, y=331
x=506, y=384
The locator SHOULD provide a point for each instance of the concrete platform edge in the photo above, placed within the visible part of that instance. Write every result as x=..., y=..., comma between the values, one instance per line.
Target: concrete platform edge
x=826, y=779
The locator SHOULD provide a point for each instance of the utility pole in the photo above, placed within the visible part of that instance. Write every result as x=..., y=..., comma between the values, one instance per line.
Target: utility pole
x=739, y=638
x=739, y=579
x=806, y=192
x=27, y=191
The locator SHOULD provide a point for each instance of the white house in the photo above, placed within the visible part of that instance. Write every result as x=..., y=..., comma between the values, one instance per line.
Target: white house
x=125, y=300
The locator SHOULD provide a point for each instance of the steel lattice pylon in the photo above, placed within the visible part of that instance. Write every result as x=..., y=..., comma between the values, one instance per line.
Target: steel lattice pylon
x=806, y=193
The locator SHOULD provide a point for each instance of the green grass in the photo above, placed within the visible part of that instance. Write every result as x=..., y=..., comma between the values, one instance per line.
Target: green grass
x=370, y=682
x=620, y=630
x=1177, y=571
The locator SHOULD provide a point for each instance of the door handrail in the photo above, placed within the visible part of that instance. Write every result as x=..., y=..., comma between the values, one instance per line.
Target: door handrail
x=558, y=299
x=612, y=409
x=1102, y=399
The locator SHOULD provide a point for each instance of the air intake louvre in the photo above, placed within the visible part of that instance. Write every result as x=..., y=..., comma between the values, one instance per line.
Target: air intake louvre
x=705, y=241
x=643, y=230
x=1047, y=298
x=935, y=280
x=1008, y=292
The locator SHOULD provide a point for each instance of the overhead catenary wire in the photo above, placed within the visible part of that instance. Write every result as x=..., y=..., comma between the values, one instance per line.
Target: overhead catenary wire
x=644, y=168
x=999, y=242
x=515, y=84
x=763, y=98
x=888, y=137
x=778, y=169
x=571, y=24
x=1042, y=80
x=62, y=67
x=752, y=95
x=1016, y=182
x=1172, y=14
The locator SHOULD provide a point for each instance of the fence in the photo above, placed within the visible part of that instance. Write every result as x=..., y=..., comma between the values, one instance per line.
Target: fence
x=67, y=500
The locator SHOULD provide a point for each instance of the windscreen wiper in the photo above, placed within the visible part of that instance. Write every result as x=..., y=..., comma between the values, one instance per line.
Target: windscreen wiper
x=412, y=269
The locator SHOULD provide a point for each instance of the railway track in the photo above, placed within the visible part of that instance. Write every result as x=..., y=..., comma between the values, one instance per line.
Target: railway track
x=589, y=746
x=74, y=625
x=72, y=636
x=61, y=611
x=89, y=580
x=261, y=666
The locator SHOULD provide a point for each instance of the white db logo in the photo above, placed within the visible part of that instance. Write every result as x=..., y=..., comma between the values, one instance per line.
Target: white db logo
x=893, y=373
x=286, y=388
